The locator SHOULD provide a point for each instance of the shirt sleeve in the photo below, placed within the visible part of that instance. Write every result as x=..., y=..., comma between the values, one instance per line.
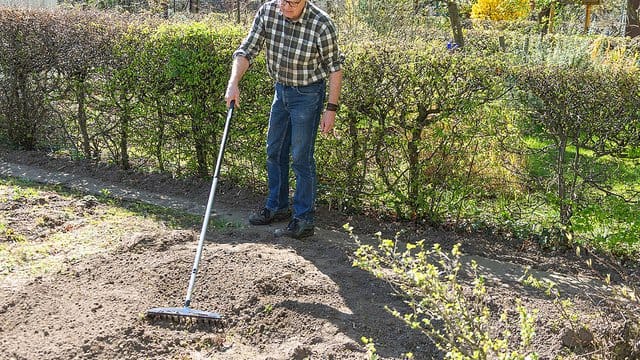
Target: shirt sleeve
x=332, y=58
x=252, y=44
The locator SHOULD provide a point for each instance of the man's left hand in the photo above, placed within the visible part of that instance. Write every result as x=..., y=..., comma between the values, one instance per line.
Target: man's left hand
x=328, y=121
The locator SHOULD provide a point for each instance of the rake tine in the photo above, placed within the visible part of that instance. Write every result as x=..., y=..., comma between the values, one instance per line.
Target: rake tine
x=185, y=316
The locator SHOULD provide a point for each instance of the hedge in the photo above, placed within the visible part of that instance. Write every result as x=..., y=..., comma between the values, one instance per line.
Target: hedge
x=422, y=133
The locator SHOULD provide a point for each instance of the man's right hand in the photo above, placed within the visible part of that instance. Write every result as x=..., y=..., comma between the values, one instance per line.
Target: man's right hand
x=232, y=94
x=239, y=67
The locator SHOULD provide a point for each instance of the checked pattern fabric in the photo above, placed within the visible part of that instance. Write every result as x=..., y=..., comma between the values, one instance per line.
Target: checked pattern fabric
x=298, y=52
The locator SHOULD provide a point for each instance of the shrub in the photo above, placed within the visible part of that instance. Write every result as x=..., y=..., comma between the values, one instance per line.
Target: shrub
x=28, y=57
x=413, y=137
x=420, y=135
x=48, y=67
x=499, y=10
x=456, y=317
x=183, y=77
x=587, y=119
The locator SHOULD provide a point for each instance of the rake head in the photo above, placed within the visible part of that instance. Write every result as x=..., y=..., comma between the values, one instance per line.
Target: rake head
x=185, y=315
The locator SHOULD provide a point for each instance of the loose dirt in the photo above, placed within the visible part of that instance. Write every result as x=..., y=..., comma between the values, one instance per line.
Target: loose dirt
x=281, y=298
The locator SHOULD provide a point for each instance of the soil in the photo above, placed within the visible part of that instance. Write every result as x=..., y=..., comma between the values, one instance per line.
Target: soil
x=281, y=298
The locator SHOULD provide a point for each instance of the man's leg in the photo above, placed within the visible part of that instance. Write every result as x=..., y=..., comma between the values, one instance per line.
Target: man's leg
x=305, y=107
x=278, y=145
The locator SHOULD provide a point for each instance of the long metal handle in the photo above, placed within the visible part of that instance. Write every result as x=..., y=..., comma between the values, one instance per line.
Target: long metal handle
x=207, y=213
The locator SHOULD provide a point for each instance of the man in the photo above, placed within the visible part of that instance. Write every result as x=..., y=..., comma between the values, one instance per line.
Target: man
x=302, y=52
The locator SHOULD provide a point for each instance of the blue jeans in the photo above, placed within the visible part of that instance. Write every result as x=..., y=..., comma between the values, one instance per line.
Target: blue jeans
x=293, y=125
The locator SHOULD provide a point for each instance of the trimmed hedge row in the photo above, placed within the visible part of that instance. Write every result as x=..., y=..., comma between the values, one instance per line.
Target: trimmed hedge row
x=39, y=49
x=421, y=135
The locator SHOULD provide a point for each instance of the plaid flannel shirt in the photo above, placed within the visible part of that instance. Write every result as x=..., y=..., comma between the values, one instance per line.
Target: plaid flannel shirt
x=298, y=52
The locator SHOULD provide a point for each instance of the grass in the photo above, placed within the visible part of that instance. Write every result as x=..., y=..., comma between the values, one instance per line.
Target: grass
x=606, y=222
x=31, y=245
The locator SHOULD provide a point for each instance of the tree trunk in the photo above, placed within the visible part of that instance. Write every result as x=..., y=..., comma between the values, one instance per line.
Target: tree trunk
x=565, y=207
x=414, y=171
x=124, y=142
x=354, y=180
x=194, y=6
x=237, y=11
x=81, y=95
x=632, y=28
x=161, y=139
x=125, y=120
x=456, y=25
x=164, y=9
x=201, y=153
x=544, y=19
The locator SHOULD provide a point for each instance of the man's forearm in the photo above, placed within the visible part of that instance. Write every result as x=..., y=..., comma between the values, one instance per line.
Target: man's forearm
x=239, y=67
x=335, y=83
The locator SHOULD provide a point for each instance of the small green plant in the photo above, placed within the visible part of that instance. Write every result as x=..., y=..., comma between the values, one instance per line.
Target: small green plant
x=370, y=347
x=457, y=319
x=578, y=333
x=268, y=309
x=24, y=193
x=12, y=236
x=547, y=286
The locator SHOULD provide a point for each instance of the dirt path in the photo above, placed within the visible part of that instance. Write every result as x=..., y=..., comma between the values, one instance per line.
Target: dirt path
x=282, y=298
x=236, y=212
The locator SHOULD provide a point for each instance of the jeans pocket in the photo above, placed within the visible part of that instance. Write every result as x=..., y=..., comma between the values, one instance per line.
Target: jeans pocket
x=311, y=89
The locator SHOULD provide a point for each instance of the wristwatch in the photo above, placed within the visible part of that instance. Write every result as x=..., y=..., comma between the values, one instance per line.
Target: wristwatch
x=332, y=107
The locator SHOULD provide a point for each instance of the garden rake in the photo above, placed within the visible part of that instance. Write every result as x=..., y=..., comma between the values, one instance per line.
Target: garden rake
x=185, y=313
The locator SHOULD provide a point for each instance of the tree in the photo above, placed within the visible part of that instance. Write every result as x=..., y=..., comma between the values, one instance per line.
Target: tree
x=456, y=25
x=632, y=28
x=194, y=6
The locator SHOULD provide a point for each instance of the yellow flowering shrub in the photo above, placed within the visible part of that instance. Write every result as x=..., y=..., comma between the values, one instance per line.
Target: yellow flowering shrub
x=500, y=9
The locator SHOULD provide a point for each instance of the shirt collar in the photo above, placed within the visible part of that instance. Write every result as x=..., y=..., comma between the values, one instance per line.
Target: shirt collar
x=303, y=16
